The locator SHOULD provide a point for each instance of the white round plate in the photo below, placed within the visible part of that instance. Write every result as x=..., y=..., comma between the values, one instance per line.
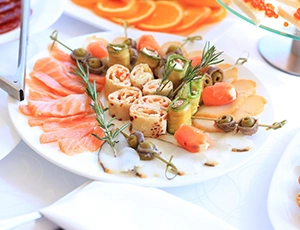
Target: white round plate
x=8, y=136
x=283, y=210
x=44, y=14
x=87, y=165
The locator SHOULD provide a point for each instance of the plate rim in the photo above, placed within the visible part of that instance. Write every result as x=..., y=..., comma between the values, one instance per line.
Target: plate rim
x=275, y=190
x=56, y=8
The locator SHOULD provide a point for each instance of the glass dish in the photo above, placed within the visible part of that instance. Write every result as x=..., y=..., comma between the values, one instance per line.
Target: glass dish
x=286, y=55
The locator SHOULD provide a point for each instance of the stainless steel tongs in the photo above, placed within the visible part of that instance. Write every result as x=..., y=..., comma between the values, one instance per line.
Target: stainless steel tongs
x=14, y=84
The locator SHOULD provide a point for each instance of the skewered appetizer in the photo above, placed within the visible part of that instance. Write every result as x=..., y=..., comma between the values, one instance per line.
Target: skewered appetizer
x=150, y=104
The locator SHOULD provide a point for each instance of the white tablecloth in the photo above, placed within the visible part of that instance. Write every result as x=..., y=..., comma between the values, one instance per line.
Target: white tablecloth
x=28, y=182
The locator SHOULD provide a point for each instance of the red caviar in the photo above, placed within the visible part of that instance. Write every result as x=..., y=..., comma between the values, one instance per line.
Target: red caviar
x=262, y=6
x=297, y=14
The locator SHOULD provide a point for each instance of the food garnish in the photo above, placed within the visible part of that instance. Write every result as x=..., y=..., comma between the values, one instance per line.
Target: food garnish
x=131, y=94
x=209, y=57
x=146, y=150
x=247, y=125
x=107, y=126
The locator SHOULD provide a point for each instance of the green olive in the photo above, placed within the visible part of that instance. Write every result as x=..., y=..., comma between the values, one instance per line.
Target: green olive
x=133, y=141
x=147, y=145
x=130, y=42
x=247, y=122
x=146, y=150
x=133, y=55
x=217, y=76
x=94, y=62
x=80, y=52
x=173, y=48
x=225, y=119
x=207, y=80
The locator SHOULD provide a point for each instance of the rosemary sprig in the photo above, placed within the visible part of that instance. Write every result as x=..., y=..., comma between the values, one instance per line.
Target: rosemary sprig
x=210, y=56
x=110, y=134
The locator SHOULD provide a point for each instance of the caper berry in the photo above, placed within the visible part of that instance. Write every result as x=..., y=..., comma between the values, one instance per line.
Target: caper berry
x=247, y=122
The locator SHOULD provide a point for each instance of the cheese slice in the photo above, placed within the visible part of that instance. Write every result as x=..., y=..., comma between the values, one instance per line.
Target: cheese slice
x=287, y=12
x=255, y=15
x=292, y=3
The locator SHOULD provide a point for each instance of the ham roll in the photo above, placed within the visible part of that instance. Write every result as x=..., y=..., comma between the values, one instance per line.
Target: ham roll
x=153, y=87
x=157, y=100
x=141, y=74
x=117, y=77
x=149, y=119
x=120, y=101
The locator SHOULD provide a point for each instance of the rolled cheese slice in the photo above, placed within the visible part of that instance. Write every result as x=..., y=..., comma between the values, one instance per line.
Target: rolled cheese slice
x=117, y=77
x=120, y=101
x=162, y=102
x=151, y=87
x=148, y=119
x=141, y=74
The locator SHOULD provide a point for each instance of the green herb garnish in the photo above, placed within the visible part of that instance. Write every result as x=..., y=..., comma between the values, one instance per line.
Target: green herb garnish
x=107, y=126
x=210, y=56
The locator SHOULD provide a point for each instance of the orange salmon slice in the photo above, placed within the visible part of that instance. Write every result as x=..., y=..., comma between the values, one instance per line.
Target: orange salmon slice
x=56, y=125
x=76, y=133
x=89, y=143
x=66, y=106
x=57, y=71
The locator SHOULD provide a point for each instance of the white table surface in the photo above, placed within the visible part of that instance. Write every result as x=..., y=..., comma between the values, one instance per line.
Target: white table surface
x=29, y=182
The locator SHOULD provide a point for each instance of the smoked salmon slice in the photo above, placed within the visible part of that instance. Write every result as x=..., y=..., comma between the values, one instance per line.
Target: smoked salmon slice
x=57, y=71
x=88, y=143
x=52, y=136
x=37, y=121
x=54, y=85
x=42, y=95
x=56, y=125
x=59, y=54
x=66, y=106
x=34, y=83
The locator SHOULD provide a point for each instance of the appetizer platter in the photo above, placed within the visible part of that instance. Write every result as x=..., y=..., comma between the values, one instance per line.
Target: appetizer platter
x=177, y=161
x=43, y=14
x=283, y=206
